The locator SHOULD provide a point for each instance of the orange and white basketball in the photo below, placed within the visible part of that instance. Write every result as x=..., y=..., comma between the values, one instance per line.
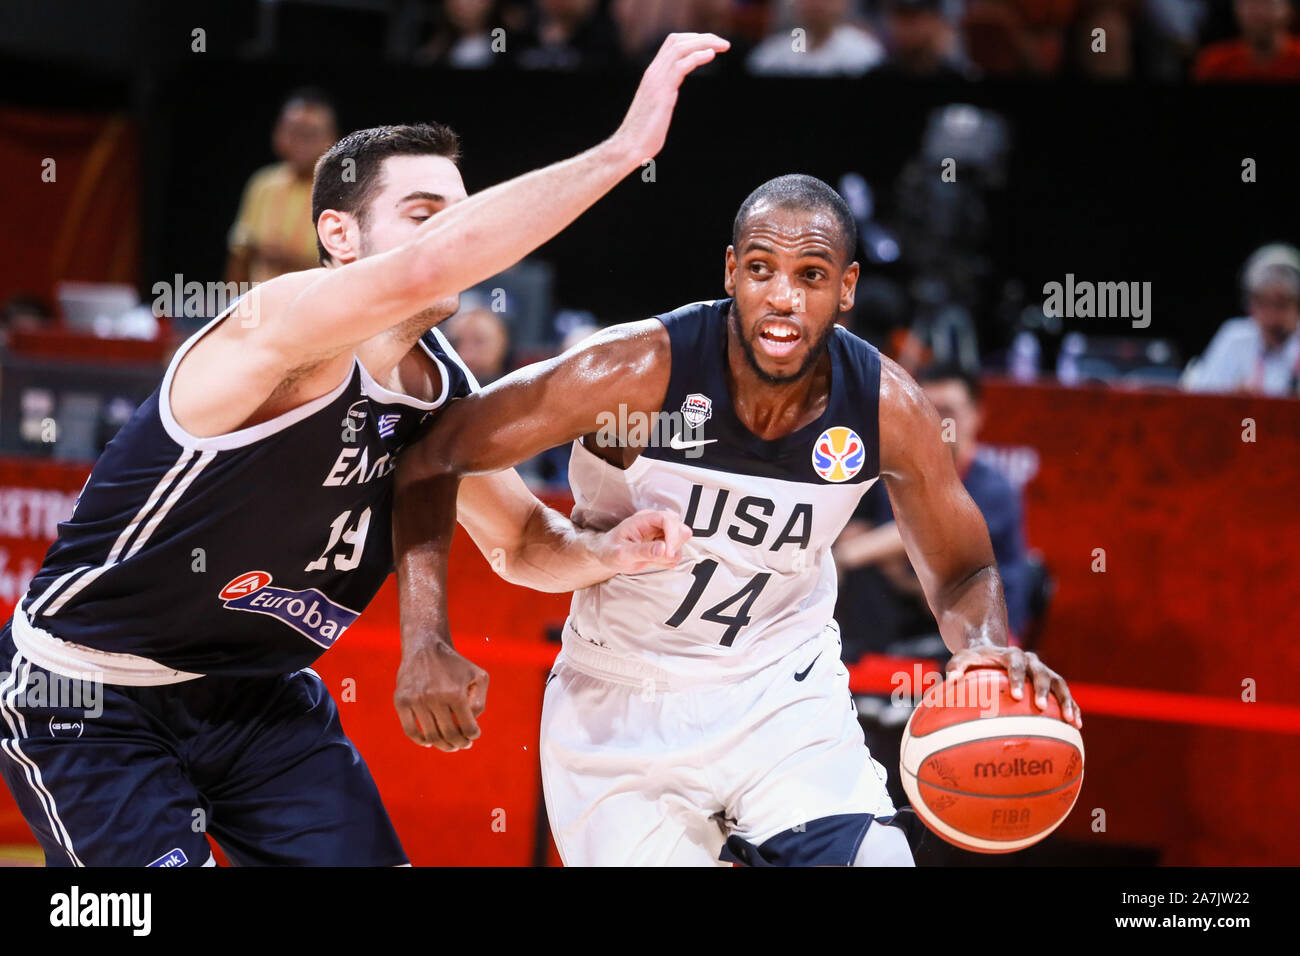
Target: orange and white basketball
x=986, y=772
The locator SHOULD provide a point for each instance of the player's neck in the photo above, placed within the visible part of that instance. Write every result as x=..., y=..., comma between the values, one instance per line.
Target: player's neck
x=396, y=361
x=772, y=411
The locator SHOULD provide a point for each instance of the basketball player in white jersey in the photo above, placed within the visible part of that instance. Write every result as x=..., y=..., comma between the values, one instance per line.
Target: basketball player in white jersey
x=701, y=714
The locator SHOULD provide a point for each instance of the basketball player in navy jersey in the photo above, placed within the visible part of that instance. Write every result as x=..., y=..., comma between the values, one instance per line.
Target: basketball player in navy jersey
x=700, y=714
x=241, y=520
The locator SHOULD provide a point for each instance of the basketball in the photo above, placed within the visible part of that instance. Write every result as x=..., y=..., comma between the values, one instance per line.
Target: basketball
x=987, y=772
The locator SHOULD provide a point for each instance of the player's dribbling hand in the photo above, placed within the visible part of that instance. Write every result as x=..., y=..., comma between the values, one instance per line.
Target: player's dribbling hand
x=646, y=541
x=1019, y=663
x=645, y=127
x=439, y=696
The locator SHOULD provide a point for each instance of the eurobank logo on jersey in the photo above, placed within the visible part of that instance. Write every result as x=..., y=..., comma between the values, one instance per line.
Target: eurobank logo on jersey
x=838, y=454
x=308, y=612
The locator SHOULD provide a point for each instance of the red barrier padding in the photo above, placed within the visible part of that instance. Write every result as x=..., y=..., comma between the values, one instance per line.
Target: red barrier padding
x=1195, y=607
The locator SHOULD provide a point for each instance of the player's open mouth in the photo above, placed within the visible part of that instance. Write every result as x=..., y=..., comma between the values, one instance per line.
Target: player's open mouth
x=779, y=339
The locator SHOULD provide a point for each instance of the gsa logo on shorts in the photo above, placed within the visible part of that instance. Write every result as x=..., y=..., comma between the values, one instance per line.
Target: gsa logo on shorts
x=66, y=728
x=838, y=454
x=308, y=612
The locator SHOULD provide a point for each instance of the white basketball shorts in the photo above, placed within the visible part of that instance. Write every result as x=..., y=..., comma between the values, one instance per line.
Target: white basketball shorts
x=639, y=768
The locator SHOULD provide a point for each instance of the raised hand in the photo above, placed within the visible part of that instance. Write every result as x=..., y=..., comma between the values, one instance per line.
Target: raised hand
x=645, y=127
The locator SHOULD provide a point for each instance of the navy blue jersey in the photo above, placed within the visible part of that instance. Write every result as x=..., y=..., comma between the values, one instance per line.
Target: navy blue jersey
x=841, y=446
x=758, y=581
x=248, y=553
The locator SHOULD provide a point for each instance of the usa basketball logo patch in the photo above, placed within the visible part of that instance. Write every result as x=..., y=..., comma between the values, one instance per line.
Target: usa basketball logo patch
x=838, y=454
x=697, y=409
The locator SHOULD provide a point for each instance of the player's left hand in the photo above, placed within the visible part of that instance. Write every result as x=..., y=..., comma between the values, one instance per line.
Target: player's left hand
x=1019, y=663
x=646, y=541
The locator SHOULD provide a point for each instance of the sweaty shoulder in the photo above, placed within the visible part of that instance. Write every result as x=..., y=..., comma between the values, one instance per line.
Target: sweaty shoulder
x=259, y=313
x=636, y=354
x=905, y=413
x=231, y=368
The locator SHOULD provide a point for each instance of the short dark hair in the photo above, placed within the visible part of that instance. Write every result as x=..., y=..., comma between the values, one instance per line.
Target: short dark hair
x=950, y=372
x=367, y=149
x=797, y=191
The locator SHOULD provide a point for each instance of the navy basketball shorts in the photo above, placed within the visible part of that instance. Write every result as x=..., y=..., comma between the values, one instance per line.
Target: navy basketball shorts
x=113, y=775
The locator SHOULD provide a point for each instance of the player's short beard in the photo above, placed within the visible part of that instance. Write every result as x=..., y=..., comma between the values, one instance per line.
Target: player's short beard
x=751, y=355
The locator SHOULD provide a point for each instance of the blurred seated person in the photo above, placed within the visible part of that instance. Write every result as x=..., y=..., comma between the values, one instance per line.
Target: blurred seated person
x=1171, y=31
x=1258, y=353
x=1115, y=18
x=462, y=35
x=273, y=232
x=1017, y=36
x=832, y=46
x=570, y=35
x=880, y=600
x=921, y=42
x=643, y=24
x=481, y=338
x=24, y=313
x=1265, y=50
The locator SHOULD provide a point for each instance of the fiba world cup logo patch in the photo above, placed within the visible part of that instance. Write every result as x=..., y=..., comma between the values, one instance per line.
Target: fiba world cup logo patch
x=838, y=454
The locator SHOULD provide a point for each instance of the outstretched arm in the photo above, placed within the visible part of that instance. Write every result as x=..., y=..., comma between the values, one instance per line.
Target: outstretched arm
x=440, y=694
x=489, y=231
x=536, y=547
x=547, y=404
x=515, y=418
x=306, y=320
x=947, y=541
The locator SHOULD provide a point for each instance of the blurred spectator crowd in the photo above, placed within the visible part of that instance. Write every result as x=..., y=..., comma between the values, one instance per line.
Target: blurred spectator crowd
x=930, y=294
x=1167, y=40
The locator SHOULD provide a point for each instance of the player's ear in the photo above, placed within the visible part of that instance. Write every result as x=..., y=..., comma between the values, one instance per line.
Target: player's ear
x=340, y=235
x=848, y=287
x=729, y=275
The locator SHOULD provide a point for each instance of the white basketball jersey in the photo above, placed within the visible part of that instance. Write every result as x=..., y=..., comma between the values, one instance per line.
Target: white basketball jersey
x=757, y=579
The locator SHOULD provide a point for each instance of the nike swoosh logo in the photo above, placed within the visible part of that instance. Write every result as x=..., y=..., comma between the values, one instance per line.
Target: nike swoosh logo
x=676, y=443
x=804, y=673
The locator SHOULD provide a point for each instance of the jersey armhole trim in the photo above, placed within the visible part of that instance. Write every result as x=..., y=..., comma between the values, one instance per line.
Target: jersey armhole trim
x=470, y=377
x=242, y=436
x=629, y=474
x=388, y=397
